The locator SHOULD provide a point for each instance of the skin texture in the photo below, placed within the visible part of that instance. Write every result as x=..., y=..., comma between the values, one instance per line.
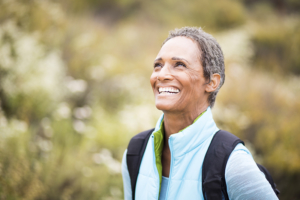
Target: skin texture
x=178, y=65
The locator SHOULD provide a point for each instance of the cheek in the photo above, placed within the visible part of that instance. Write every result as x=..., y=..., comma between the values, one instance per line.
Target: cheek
x=153, y=79
x=193, y=84
x=191, y=79
x=194, y=76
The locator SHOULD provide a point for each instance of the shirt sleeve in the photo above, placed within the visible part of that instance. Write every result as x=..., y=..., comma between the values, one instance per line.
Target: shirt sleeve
x=126, y=179
x=243, y=178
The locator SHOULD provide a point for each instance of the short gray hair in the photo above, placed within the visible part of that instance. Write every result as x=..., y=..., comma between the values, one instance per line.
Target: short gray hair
x=212, y=58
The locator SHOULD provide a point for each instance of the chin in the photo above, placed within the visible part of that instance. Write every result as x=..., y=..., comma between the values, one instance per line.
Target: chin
x=164, y=106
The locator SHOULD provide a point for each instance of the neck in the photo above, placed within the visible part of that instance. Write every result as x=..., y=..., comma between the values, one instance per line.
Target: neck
x=175, y=122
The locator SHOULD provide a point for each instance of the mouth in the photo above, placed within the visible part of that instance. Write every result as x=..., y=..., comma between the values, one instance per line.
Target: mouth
x=168, y=90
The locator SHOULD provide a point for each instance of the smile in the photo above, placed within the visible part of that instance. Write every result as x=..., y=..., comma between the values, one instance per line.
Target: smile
x=168, y=90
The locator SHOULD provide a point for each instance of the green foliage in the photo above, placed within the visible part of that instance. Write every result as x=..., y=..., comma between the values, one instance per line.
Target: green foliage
x=277, y=46
x=281, y=6
x=219, y=15
x=74, y=88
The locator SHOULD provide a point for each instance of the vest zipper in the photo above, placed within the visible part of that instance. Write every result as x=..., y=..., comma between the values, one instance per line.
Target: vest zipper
x=170, y=146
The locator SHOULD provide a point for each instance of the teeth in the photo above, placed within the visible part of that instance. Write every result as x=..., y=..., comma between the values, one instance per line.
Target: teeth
x=168, y=89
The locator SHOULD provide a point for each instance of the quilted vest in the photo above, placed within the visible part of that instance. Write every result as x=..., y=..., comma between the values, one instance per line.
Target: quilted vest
x=188, y=149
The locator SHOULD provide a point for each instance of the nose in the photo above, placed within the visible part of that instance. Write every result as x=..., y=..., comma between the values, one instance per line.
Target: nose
x=165, y=73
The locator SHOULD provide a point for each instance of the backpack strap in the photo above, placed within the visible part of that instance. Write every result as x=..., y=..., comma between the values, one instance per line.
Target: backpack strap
x=214, y=164
x=269, y=178
x=135, y=152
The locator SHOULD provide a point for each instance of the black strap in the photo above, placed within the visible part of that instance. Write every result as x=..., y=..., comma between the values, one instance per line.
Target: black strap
x=269, y=178
x=135, y=152
x=214, y=164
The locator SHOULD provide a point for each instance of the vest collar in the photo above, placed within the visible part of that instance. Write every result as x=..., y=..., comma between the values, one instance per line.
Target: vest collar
x=192, y=136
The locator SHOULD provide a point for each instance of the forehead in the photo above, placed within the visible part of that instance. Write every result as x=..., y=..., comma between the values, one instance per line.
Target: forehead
x=180, y=47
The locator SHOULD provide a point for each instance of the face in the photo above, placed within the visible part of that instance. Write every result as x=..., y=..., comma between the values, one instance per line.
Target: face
x=177, y=80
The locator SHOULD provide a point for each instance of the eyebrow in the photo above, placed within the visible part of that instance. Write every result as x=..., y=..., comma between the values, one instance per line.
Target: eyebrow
x=173, y=58
x=160, y=59
x=177, y=58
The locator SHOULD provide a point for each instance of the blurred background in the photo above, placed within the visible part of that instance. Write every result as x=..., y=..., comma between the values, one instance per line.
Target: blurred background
x=74, y=88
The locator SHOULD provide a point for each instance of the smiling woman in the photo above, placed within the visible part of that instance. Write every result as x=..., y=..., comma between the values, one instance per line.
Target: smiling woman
x=178, y=66
x=188, y=72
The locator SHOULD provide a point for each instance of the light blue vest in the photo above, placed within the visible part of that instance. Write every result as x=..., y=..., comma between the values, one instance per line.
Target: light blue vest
x=188, y=149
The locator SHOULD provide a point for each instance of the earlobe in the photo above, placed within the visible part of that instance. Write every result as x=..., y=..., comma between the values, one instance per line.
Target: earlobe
x=214, y=83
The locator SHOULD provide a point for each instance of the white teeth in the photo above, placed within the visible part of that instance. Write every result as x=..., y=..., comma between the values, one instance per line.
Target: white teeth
x=168, y=90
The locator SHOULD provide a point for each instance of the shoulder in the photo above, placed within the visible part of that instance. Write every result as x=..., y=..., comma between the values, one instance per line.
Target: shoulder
x=126, y=179
x=243, y=178
x=240, y=160
x=240, y=149
x=124, y=166
x=139, y=139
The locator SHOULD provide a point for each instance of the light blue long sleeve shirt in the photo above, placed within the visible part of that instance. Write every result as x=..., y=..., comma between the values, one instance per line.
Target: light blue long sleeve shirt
x=243, y=178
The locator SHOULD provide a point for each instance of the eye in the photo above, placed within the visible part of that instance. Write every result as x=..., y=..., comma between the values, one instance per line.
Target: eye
x=157, y=65
x=180, y=64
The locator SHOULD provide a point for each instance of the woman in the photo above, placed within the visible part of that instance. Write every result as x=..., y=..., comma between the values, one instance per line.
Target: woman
x=188, y=73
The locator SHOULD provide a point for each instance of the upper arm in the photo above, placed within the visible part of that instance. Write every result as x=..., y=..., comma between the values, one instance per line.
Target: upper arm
x=243, y=178
x=126, y=179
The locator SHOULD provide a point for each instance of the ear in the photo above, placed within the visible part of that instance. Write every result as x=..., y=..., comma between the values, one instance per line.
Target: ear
x=214, y=83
